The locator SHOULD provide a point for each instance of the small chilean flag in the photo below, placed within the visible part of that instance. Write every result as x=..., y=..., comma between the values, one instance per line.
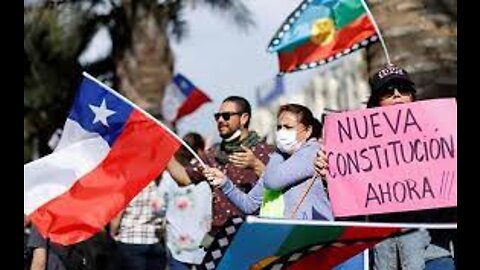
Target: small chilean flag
x=109, y=151
x=182, y=98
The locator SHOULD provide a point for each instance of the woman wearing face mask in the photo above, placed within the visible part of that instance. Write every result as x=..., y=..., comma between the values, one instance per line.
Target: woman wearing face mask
x=289, y=187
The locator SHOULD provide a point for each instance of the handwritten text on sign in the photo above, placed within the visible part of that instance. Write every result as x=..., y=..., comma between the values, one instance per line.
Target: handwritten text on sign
x=392, y=159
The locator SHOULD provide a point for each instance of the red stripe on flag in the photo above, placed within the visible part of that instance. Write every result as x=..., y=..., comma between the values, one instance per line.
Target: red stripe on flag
x=137, y=157
x=362, y=233
x=352, y=241
x=346, y=37
x=193, y=101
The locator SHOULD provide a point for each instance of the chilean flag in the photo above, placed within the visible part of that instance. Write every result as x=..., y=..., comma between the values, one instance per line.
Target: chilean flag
x=109, y=151
x=182, y=98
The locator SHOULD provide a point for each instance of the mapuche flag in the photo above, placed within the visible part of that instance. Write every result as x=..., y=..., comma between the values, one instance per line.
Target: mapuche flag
x=109, y=151
x=276, y=244
x=320, y=31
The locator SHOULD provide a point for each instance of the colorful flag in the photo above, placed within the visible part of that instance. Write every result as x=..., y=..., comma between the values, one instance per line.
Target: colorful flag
x=319, y=31
x=109, y=151
x=182, y=98
x=261, y=243
x=274, y=91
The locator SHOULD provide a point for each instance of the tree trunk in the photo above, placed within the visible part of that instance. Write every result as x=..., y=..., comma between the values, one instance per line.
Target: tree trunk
x=421, y=36
x=144, y=69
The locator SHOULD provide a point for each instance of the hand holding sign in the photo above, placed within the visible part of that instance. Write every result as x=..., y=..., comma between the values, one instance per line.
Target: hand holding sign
x=321, y=164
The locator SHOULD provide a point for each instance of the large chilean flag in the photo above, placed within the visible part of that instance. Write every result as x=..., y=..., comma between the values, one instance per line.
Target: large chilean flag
x=109, y=151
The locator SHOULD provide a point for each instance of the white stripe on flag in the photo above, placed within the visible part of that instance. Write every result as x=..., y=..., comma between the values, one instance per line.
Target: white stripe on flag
x=73, y=133
x=52, y=175
x=172, y=101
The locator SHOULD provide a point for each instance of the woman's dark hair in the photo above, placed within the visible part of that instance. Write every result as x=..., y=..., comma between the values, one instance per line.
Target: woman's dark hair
x=196, y=142
x=373, y=100
x=304, y=116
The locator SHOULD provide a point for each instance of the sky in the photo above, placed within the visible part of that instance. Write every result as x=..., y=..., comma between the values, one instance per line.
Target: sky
x=222, y=59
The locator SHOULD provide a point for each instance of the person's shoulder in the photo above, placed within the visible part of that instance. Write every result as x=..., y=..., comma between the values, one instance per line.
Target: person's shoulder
x=312, y=144
x=210, y=152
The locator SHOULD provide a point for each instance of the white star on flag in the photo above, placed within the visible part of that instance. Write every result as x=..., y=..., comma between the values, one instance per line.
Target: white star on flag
x=101, y=113
x=184, y=85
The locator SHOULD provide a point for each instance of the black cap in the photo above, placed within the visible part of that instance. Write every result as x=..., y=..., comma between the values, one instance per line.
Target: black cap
x=388, y=75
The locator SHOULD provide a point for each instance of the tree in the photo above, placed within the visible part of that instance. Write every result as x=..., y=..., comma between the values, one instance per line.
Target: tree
x=51, y=70
x=421, y=36
x=141, y=51
x=141, y=61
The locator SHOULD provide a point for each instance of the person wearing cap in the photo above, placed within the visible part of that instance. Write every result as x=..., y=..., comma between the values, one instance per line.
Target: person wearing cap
x=392, y=85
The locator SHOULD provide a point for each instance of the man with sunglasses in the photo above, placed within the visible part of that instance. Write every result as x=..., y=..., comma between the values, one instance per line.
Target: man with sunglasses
x=241, y=154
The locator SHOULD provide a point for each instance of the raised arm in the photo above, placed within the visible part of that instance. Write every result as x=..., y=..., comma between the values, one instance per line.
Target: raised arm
x=178, y=172
x=247, y=202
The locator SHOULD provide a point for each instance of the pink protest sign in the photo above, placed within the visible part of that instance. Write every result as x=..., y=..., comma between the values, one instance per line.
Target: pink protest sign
x=392, y=159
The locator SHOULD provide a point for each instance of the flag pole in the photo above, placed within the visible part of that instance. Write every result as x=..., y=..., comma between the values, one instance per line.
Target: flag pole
x=384, y=46
x=148, y=115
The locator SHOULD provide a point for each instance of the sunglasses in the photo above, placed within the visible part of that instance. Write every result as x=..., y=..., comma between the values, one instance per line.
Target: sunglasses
x=225, y=115
x=403, y=89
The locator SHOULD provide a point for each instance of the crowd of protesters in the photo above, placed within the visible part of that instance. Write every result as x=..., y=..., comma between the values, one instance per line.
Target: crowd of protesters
x=168, y=224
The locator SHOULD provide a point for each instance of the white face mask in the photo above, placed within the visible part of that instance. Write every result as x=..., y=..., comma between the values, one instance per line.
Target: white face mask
x=286, y=141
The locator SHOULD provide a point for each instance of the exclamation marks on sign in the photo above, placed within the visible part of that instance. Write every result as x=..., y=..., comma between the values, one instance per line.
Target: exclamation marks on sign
x=448, y=179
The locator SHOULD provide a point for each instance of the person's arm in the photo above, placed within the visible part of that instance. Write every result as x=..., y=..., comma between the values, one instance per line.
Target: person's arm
x=178, y=172
x=293, y=170
x=38, y=244
x=39, y=259
x=247, y=203
x=115, y=225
